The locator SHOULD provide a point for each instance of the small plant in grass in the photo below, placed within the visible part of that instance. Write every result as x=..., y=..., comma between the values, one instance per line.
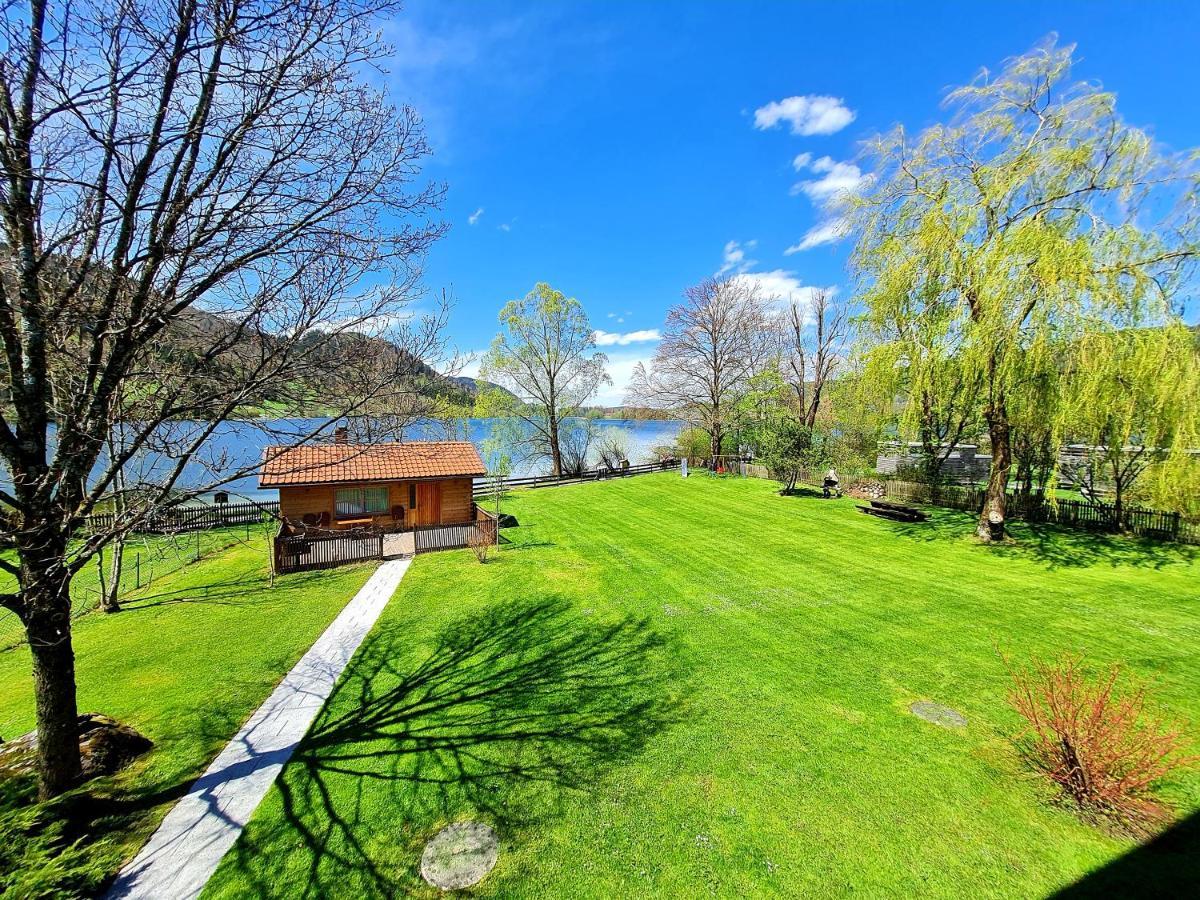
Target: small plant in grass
x=1094, y=741
x=480, y=542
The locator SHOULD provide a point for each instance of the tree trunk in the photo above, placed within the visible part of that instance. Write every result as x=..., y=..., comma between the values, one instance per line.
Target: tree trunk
x=110, y=590
x=48, y=628
x=1118, y=505
x=555, y=449
x=714, y=443
x=991, y=518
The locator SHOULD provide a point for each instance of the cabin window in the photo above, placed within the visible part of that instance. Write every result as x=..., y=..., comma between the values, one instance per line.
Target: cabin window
x=412, y=496
x=361, y=501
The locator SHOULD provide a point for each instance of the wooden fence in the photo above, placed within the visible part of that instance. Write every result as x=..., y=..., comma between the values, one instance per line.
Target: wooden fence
x=484, y=486
x=427, y=538
x=302, y=551
x=193, y=518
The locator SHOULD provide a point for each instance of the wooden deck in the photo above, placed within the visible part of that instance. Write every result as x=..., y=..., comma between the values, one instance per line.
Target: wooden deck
x=402, y=544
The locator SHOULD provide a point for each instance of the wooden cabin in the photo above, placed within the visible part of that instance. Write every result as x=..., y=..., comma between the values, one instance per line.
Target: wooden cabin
x=388, y=486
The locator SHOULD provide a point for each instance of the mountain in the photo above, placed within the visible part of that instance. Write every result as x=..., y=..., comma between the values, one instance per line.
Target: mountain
x=474, y=385
x=197, y=329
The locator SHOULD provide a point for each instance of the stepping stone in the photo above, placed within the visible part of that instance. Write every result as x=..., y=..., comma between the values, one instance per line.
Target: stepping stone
x=459, y=855
x=938, y=714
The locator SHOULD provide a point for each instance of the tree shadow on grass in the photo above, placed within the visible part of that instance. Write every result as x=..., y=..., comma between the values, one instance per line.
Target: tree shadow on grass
x=1166, y=866
x=511, y=708
x=226, y=593
x=1052, y=545
x=803, y=492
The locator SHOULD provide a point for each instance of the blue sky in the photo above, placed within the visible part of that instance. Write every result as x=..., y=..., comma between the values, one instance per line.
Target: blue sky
x=622, y=151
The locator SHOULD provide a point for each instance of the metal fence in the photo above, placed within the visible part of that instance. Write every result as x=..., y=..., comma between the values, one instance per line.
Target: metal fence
x=145, y=559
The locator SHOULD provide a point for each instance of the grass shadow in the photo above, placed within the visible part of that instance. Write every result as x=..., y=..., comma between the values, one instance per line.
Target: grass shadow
x=1054, y=546
x=521, y=695
x=1060, y=547
x=805, y=492
x=222, y=592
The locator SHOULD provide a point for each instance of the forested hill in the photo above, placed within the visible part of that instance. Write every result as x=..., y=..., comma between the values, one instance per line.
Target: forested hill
x=308, y=393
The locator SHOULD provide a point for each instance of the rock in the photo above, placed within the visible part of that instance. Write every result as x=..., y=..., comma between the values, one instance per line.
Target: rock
x=105, y=745
x=867, y=490
x=507, y=521
x=459, y=855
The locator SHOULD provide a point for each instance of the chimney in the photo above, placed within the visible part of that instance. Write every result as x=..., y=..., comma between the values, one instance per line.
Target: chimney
x=341, y=435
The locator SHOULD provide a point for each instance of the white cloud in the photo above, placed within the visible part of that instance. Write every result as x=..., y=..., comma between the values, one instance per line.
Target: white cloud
x=807, y=115
x=735, y=257
x=780, y=286
x=801, y=161
x=620, y=369
x=470, y=363
x=839, y=181
x=504, y=226
x=828, y=232
x=474, y=217
x=610, y=338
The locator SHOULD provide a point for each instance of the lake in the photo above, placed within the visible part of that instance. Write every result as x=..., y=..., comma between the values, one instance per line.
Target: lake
x=235, y=445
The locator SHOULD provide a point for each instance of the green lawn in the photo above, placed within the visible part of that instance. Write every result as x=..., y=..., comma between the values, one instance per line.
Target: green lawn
x=680, y=688
x=146, y=559
x=186, y=662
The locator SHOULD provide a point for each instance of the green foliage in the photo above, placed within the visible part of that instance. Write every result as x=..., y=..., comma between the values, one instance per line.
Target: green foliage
x=693, y=443
x=784, y=445
x=38, y=860
x=1136, y=394
x=991, y=246
x=545, y=356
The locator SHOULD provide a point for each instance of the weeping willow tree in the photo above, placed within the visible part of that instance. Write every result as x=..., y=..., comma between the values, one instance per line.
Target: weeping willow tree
x=1033, y=217
x=915, y=355
x=1133, y=398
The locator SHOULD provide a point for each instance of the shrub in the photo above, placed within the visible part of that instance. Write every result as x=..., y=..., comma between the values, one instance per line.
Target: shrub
x=37, y=860
x=1094, y=742
x=480, y=541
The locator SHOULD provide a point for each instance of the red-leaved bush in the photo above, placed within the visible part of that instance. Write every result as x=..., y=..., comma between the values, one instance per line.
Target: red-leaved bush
x=1094, y=741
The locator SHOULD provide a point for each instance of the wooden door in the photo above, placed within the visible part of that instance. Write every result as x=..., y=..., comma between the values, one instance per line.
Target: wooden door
x=429, y=503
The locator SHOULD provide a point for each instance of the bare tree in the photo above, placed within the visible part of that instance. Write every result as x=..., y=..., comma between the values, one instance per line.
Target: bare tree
x=205, y=208
x=713, y=344
x=612, y=447
x=815, y=340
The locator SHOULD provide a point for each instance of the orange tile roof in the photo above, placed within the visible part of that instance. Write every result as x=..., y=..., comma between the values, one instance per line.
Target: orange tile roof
x=335, y=463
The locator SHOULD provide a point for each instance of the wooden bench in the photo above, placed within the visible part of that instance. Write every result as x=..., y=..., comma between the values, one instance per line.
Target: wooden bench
x=897, y=512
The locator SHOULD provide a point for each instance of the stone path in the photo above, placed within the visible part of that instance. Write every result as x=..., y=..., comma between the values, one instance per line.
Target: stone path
x=183, y=853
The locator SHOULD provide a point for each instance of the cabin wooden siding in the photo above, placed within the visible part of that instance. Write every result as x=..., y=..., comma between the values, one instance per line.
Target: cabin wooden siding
x=456, y=503
x=456, y=500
